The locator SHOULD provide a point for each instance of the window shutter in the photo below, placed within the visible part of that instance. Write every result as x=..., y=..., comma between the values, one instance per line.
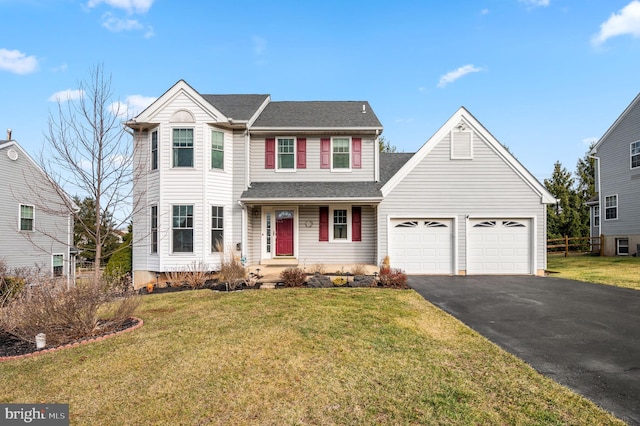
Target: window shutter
x=302, y=153
x=357, y=153
x=269, y=153
x=324, y=224
x=325, y=153
x=356, y=224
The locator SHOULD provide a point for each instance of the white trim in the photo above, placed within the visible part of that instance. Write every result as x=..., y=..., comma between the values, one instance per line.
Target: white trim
x=64, y=272
x=193, y=230
x=454, y=155
x=618, y=245
x=462, y=114
x=605, y=207
x=295, y=154
x=33, y=219
x=155, y=130
x=350, y=145
x=263, y=239
x=348, y=209
x=631, y=154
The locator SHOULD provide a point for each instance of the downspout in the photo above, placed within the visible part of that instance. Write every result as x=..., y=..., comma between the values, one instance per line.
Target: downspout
x=243, y=232
x=376, y=158
x=247, y=159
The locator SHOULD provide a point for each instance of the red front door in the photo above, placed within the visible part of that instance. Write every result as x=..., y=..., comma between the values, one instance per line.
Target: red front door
x=284, y=233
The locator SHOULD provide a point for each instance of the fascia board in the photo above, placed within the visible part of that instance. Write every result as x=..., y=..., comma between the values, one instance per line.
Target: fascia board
x=468, y=118
x=147, y=116
x=611, y=128
x=313, y=129
x=311, y=200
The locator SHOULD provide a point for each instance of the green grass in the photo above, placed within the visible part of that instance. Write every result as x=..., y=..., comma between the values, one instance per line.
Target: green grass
x=612, y=270
x=295, y=356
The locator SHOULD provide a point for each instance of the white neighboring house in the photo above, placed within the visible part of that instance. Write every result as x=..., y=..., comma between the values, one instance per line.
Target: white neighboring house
x=303, y=182
x=30, y=236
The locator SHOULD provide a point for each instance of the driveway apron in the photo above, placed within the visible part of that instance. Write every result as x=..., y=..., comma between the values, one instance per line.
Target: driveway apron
x=584, y=336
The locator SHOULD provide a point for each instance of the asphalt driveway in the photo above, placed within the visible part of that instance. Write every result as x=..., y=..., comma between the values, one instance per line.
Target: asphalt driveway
x=584, y=336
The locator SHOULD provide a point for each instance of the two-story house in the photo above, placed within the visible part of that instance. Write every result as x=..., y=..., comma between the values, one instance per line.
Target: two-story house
x=615, y=212
x=34, y=234
x=303, y=183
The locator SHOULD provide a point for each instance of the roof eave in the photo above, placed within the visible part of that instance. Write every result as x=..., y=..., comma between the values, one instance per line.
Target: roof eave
x=299, y=200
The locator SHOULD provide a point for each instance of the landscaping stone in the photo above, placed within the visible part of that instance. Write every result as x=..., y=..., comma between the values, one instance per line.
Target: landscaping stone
x=363, y=281
x=319, y=281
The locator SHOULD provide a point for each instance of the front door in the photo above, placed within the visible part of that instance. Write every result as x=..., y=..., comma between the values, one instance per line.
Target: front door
x=284, y=232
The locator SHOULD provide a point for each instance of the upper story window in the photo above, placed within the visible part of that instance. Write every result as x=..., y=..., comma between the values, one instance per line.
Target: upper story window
x=217, y=150
x=635, y=154
x=26, y=217
x=286, y=153
x=182, y=227
x=340, y=153
x=154, y=150
x=182, y=147
x=611, y=207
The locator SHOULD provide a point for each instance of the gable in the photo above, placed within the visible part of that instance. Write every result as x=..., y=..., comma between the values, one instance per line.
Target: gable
x=631, y=115
x=465, y=150
x=176, y=104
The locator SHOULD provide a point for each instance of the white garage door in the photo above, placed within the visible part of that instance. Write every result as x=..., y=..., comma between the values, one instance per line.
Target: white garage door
x=421, y=246
x=499, y=246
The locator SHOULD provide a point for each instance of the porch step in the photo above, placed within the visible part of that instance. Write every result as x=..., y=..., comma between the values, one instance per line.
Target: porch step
x=285, y=262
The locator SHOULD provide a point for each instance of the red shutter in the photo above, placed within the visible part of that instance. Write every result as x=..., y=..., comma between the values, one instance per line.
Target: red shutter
x=324, y=224
x=301, y=147
x=325, y=153
x=356, y=143
x=356, y=224
x=269, y=153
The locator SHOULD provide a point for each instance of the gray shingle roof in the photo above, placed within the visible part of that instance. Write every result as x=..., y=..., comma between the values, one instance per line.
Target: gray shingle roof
x=311, y=190
x=312, y=114
x=238, y=107
x=390, y=163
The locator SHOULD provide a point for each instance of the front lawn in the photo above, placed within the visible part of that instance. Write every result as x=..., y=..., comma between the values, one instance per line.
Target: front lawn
x=621, y=271
x=294, y=356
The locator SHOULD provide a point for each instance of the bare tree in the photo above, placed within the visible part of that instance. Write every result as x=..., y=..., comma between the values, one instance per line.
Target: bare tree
x=88, y=152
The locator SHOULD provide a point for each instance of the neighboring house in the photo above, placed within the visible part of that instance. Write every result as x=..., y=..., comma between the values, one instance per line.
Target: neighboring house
x=615, y=211
x=32, y=236
x=303, y=183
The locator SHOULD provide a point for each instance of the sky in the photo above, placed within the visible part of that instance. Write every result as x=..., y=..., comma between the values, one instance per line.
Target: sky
x=545, y=77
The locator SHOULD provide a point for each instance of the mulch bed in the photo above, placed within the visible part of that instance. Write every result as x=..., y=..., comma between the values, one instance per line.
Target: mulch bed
x=11, y=347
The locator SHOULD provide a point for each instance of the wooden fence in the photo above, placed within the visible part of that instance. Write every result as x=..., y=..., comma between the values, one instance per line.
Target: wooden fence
x=576, y=244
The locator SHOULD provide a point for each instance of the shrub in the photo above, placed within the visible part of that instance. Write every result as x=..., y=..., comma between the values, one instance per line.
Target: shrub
x=318, y=268
x=392, y=277
x=66, y=314
x=339, y=281
x=176, y=277
x=196, y=275
x=359, y=269
x=231, y=269
x=293, y=277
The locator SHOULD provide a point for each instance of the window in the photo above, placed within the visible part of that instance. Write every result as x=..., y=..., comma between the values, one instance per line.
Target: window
x=217, y=150
x=635, y=154
x=286, y=153
x=182, y=147
x=611, y=207
x=58, y=265
x=183, y=229
x=26, y=218
x=154, y=150
x=339, y=224
x=596, y=216
x=217, y=230
x=340, y=153
x=622, y=246
x=154, y=229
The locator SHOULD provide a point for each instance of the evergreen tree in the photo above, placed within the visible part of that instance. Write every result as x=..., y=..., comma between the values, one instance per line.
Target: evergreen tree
x=84, y=231
x=385, y=145
x=565, y=217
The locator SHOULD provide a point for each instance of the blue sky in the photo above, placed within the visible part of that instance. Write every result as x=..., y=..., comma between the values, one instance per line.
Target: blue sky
x=545, y=77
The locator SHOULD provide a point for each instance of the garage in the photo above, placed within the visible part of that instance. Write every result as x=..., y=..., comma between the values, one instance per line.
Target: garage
x=499, y=246
x=422, y=246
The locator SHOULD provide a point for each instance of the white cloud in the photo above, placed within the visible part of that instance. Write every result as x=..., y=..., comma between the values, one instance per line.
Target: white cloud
x=627, y=21
x=17, y=62
x=66, y=95
x=259, y=45
x=535, y=3
x=452, y=76
x=116, y=24
x=132, y=106
x=131, y=6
